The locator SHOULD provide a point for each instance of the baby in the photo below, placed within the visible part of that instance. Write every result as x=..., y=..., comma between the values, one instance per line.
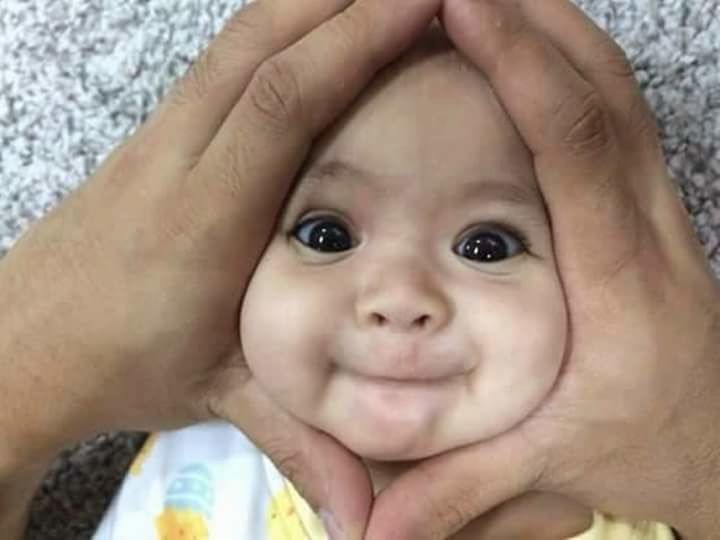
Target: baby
x=408, y=304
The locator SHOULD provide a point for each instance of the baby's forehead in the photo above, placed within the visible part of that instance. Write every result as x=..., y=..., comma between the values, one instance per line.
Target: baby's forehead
x=436, y=86
x=432, y=58
x=429, y=117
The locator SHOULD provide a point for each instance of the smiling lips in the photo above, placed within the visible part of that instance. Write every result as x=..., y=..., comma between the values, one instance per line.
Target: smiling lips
x=395, y=376
x=403, y=362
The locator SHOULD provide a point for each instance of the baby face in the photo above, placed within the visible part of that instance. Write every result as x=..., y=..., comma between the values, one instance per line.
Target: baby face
x=409, y=303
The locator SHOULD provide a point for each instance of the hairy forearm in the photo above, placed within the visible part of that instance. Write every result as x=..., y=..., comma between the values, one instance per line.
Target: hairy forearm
x=705, y=481
x=698, y=497
x=23, y=462
x=16, y=492
x=26, y=442
x=41, y=410
x=701, y=528
x=703, y=521
x=26, y=408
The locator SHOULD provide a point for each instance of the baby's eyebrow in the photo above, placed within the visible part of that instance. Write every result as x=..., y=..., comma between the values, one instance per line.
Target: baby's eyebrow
x=515, y=192
x=333, y=171
x=314, y=178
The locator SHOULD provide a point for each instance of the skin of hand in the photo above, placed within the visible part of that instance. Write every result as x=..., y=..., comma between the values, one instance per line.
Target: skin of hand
x=536, y=516
x=125, y=300
x=631, y=426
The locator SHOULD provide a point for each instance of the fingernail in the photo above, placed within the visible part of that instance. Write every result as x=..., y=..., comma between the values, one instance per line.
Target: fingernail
x=331, y=525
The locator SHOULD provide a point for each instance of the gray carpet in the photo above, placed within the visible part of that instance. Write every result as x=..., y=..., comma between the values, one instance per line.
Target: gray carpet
x=77, y=76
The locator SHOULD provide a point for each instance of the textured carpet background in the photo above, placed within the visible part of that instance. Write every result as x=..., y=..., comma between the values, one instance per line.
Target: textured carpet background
x=77, y=77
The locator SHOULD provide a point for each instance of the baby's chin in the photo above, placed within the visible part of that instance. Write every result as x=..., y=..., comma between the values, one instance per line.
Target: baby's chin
x=396, y=445
x=401, y=433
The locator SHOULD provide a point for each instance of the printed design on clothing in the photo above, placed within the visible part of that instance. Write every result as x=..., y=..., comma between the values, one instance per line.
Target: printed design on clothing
x=189, y=502
x=289, y=517
x=143, y=454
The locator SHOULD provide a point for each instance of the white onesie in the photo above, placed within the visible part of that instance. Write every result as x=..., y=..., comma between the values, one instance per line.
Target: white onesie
x=206, y=482
x=210, y=482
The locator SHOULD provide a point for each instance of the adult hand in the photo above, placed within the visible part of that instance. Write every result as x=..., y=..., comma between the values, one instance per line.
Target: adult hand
x=120, y=309
x=632, y=425
x=540, y=516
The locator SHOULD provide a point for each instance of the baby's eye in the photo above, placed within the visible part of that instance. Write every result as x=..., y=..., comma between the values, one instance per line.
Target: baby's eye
x=323, y=233
x=489, y=244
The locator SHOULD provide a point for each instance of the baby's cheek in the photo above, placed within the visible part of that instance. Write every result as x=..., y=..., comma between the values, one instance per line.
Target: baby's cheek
x=266, y=332
x=540, y=345
x=277, y=330
x=522, y=346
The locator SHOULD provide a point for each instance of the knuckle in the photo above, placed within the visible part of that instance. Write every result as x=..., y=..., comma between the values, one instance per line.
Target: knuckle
x=248, y=23
x=640, y=119
x=127, y=163
x=349, y=30
x=195, y=85
x=250, y=29
x=233, y=173
x=287, y=459
x=244, y=32
x=514, y=42
x=589, y=130
x=178, y=228
x=275, y=94
x=450, y=513
x=453, y=517
x=517, y=32
x=617, y=62
x=607, y=190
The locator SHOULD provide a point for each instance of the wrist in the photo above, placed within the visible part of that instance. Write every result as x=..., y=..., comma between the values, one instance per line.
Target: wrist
x=30, y=432
x=25, y=455
x=40, y=413
x=698, y=508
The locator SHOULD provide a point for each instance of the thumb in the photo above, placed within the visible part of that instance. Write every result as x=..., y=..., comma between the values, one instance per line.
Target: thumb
x=331, y=479
x=466, y=483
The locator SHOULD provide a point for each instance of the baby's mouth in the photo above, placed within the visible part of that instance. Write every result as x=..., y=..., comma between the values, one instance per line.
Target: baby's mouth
x=396, y=380
x=405, y=361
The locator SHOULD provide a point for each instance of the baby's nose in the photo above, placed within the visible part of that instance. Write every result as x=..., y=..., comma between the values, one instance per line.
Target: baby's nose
x=401, y=321
x=403, y=309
